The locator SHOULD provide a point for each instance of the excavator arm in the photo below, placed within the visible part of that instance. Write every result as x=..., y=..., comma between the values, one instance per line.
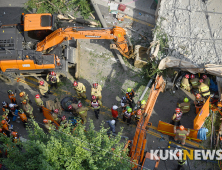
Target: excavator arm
x=117, y=34
x=139, y=140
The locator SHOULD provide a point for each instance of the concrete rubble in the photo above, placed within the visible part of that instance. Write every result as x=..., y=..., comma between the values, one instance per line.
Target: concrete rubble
x=193, y=29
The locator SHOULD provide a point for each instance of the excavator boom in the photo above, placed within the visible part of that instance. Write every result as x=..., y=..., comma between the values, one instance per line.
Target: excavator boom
x=117, y=34
x=139, y=140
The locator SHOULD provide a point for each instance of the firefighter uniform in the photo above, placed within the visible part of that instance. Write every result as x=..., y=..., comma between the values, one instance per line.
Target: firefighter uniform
x=181, y=135
x=206, y=81
x=75, y=107
x=185, y=84
x=39, y=102
x=97, y=92
x=49, y=126
x=127, y=116
x=12, y=97
x=130, y=96
x=80, y=90
x=185, y=107
x=82, y=111
x=24, y=97
x=44, y=88
x=95, y=105
x=52, y=79
x=55, y=117
x=204, y=90
x=138, y=113
x=176, y=118
x=195, y=83
x=28, y=109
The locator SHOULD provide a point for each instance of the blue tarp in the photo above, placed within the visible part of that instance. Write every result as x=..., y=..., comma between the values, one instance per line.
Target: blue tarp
x=202, y=134
x=213, y=86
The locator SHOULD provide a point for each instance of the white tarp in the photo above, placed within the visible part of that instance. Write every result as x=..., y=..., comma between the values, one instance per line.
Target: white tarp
x=172, y=62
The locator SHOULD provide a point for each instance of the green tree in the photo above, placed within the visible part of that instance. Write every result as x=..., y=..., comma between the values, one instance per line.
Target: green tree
x=61, y=149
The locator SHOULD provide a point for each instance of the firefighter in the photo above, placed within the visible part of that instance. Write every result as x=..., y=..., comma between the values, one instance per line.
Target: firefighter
x=5, y=127
x=194, y=81
x=181, y=161
x=15, y=136
x=82, y=111
x=55, y=116
x=127, y=114
x=22, y=116
x=114, y=112
x=44, y=89
x=5, y=105
x=138, y=113
x=80, y=89
x=12, y=96
x=112, y=124
x=64, y=121
x=28, y=109
x=199, y=102
x=24, y=96
x=206, y=80
x=13, y=108
x=129, y=96
x=176, y=117
x=123, y=103
x=5, y=115
x=73, y=107
x=48, y=124
x=95, y=105
x=53, y=79
x=185, y=83
x=181, y=134
x=185, y=106
x=96, y=91
x=39, y=102
x=203, y=89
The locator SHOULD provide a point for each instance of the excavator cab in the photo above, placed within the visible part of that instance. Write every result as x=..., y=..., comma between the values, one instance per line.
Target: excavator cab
x=37, y=26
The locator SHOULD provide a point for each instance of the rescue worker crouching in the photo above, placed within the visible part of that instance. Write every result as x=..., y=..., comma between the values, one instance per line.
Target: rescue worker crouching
x=12, y=96
x=129, y=96
x=39, y=102
x=206, y=80
x=127, y=114
x=24, y=96
x=123, y=103
x=82, y=111
x=194, y=81
x=80, y=89
x=5, y=105
x=44, y=89
x=48, y=125
x=15, y=136
x=53, y=79
x=175, y=120
x=138, y=113
x=204, y=89
x=181, y=134
x=185, y=106
x=5, y=127
x=185, y=83
x=199, y=102
x=28, y=109
x=95, y=105
x=55, y=116
x=96, y=90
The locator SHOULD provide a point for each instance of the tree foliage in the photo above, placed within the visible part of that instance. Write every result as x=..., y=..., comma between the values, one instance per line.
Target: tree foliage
x=60, y=6
x=64, y=150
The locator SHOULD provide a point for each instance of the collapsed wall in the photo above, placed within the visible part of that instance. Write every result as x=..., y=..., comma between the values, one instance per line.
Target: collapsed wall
x=194, y=31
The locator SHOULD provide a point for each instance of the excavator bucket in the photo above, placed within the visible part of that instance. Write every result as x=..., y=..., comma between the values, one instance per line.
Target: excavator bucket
x=143, y=55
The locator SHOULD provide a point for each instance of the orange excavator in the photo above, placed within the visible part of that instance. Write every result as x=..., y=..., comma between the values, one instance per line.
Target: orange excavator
x=33, y=46
x=137, y=146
